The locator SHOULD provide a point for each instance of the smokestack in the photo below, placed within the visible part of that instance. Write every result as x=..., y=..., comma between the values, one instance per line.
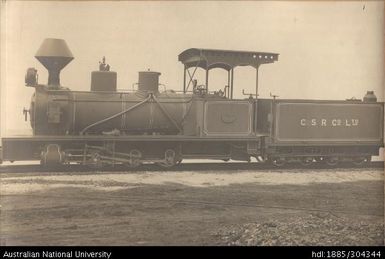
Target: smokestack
x=54, y=55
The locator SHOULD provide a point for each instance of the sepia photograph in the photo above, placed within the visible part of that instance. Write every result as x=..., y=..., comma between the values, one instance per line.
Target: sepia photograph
x=191, y=123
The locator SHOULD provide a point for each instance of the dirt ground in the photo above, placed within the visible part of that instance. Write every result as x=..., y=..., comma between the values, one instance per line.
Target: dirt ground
x=265, y=207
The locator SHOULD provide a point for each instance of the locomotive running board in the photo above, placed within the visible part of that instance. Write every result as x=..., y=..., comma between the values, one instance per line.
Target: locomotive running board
x=130, y=138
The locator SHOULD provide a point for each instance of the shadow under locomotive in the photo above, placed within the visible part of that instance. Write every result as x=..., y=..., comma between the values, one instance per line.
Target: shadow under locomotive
x=105, y=126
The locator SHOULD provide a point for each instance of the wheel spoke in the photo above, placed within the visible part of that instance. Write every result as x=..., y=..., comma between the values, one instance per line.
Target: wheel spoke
x=135, y=156
x=95, y=160
x=169, y=159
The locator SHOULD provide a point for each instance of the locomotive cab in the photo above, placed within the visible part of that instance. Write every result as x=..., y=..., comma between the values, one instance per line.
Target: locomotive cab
x=208, y=59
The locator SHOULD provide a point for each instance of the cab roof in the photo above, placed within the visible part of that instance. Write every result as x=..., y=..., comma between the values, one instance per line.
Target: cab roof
x=225, y=59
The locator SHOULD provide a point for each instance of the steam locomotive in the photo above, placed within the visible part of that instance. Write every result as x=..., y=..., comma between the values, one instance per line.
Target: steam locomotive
x=105, y=126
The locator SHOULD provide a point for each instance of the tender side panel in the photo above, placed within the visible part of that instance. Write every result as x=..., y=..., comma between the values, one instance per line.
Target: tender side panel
x=228, y=118
x=328, y=122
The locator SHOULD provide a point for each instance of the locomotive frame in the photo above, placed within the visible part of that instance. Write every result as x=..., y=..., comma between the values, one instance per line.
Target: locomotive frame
x=195, y=124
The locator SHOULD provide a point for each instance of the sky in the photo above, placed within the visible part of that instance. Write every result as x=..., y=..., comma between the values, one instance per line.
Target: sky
x=328, y=50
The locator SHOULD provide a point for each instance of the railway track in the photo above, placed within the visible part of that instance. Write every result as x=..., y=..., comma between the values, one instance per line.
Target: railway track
x=186, y=202
x=185, y=215
x=73, y=168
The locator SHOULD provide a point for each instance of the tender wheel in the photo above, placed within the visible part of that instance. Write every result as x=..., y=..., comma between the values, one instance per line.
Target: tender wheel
x=169, y=159
x=306, y=161
x=135, y=156
x=278, y=161
x=319, y=159
x=331, y=161
x=360, y=160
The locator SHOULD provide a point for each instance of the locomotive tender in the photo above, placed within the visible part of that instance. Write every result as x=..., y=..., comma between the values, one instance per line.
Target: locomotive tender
x=104, y=126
